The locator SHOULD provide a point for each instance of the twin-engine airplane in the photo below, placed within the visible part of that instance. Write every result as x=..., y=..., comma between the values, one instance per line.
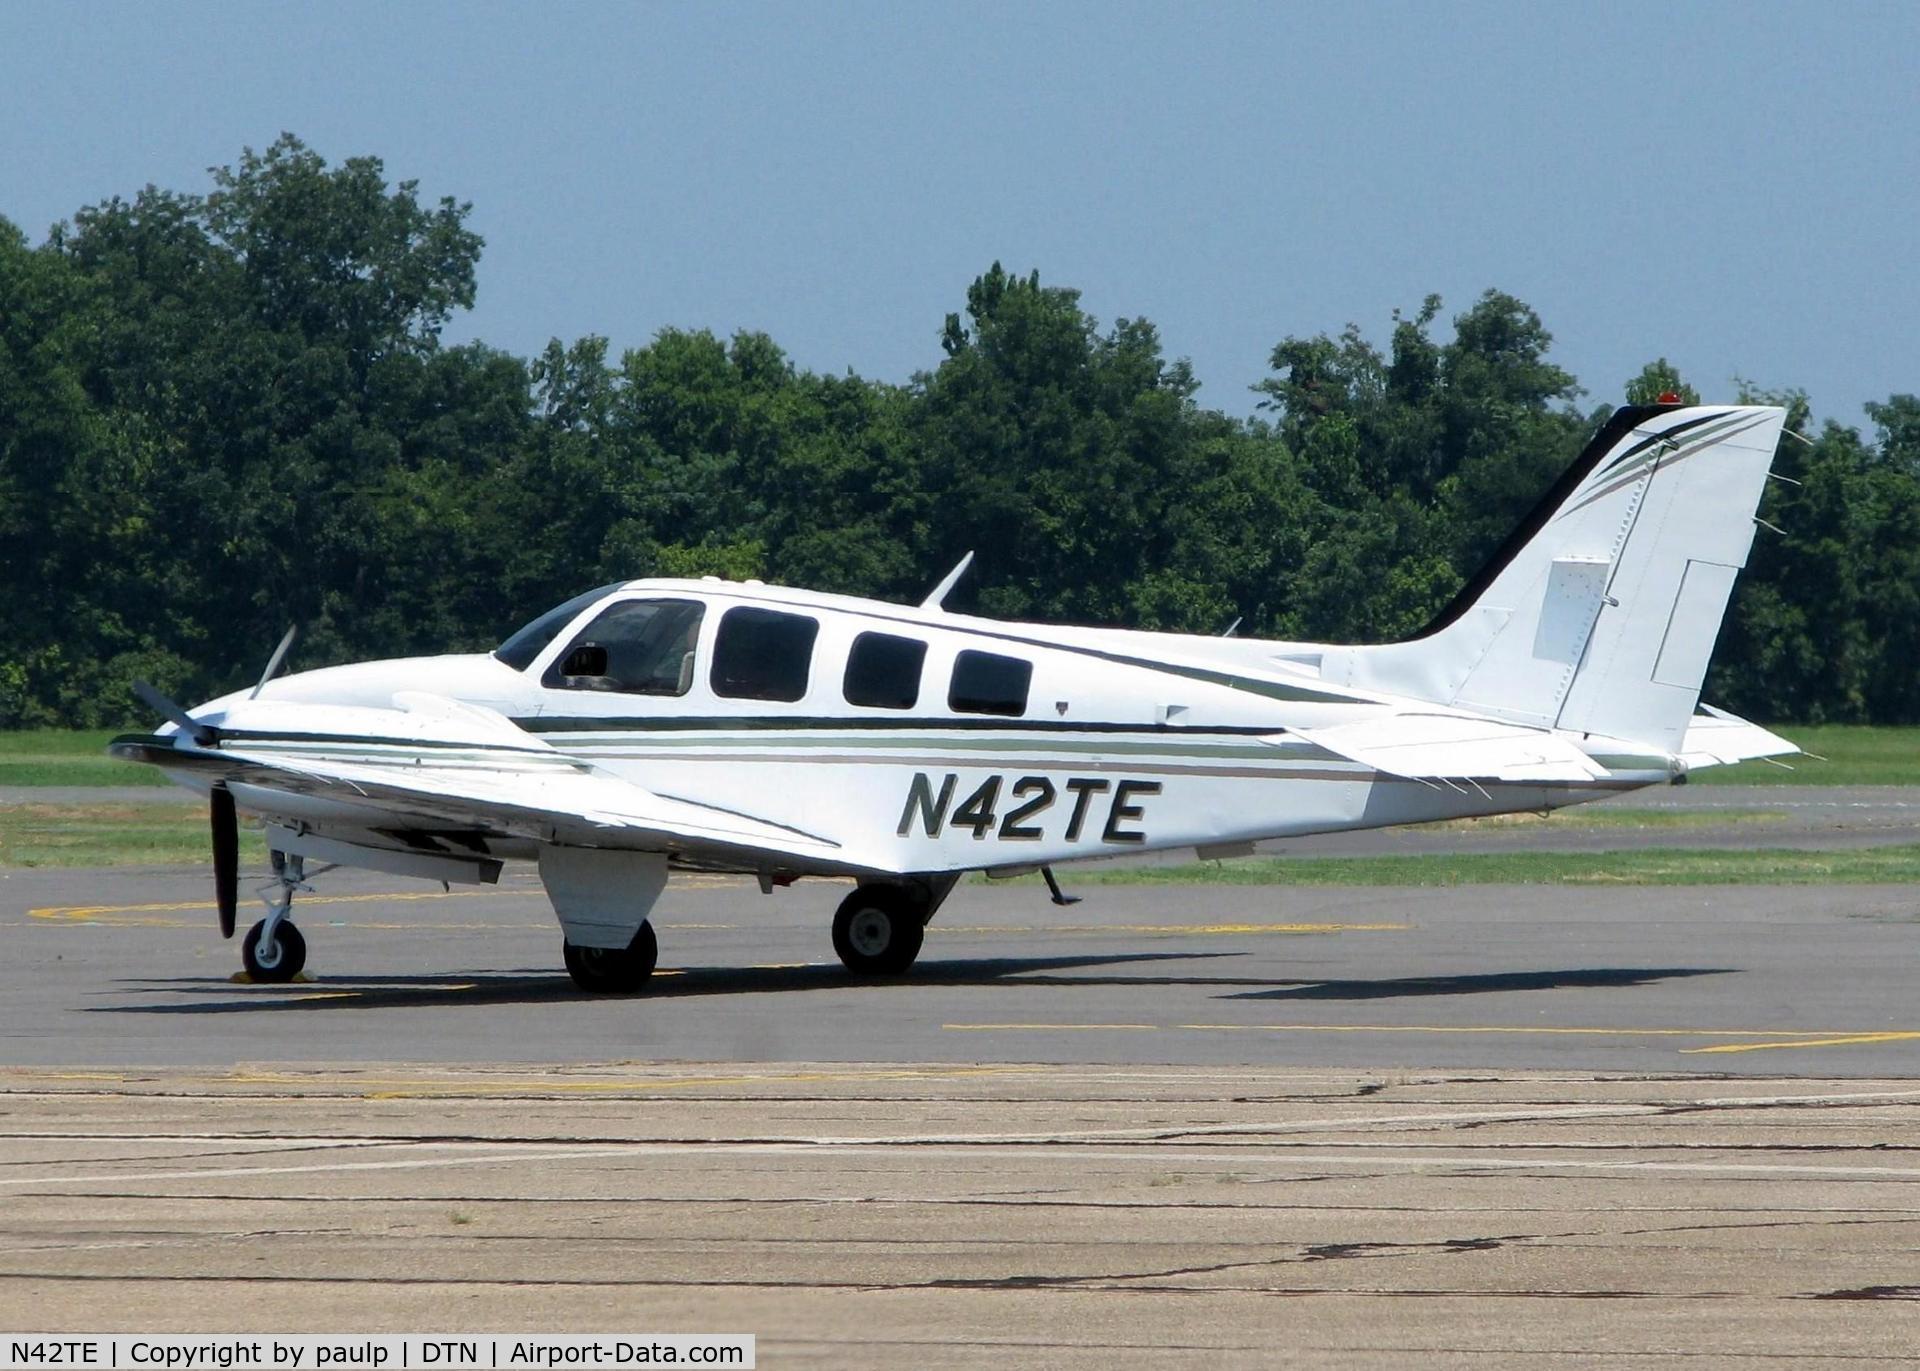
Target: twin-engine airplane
x=710, y=725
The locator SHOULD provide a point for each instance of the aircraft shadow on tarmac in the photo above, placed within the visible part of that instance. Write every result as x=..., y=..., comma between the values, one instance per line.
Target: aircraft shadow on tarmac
x=1489, y=983
x=535, y=987
x=451, y=990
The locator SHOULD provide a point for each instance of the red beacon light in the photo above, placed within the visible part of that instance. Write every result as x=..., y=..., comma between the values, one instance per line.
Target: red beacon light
x=1667, y=397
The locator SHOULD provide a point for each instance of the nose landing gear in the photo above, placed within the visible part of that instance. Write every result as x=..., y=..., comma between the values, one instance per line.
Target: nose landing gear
x=274, y=951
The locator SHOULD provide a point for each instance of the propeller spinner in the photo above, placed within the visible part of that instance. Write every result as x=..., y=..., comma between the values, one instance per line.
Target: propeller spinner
x=222, y=818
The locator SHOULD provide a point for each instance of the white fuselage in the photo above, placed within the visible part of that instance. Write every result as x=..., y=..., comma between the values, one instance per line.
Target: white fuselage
x=1123, y=742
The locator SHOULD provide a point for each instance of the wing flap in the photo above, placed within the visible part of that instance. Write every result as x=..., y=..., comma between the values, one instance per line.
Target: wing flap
x=1454, y=747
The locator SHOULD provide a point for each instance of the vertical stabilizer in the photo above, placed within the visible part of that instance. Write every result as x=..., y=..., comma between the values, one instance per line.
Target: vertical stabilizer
x=1599, y=614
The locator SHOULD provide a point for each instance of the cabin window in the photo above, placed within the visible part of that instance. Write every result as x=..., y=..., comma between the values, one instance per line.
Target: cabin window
x=519, y=651
x=762, y=654
x=636, y=647
x=883, y=671
x=987, y=683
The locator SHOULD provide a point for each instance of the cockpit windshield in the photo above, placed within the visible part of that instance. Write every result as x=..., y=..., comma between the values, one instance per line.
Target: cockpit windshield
x=519, y=651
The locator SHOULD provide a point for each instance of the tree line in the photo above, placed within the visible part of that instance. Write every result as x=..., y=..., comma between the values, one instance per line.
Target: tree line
x=222, y=413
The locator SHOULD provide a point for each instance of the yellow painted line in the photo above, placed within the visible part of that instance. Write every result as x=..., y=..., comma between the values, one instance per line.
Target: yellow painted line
x=446, y=927
x=241, y=977
x=1525, y=1029
x=375, y=1088
x=81, y=913
x=1054, y=1027
x=1807, y=1038
x=112, y=915
x=1210, y=929
x=145, y=915
x=362, y=994
x=1812, y=1042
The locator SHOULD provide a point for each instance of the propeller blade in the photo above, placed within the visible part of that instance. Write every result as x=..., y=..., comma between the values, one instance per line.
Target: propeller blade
x=226, y=856
x=206, y=735
x=274, y=662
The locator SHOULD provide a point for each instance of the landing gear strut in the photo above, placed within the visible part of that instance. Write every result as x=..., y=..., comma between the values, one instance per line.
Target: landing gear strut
x=614, y=970
x=274, y=950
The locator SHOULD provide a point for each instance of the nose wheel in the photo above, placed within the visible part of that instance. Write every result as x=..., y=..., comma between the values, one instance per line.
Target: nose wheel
x=277, y=959
x=274, y=951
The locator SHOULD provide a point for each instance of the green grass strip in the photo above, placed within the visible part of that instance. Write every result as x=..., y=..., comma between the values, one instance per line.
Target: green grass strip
x=112, y=835
x=1855, y=754
x=52, y=756
x=1621, y=815
x=1659, y=866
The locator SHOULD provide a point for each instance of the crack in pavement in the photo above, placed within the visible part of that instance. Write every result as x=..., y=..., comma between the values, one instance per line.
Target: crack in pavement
x=1870, y=1292
x=1340, y=1251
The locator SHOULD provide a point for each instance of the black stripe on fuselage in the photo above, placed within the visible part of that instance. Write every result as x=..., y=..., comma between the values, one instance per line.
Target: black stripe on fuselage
x=721, y=723
x=377, y=740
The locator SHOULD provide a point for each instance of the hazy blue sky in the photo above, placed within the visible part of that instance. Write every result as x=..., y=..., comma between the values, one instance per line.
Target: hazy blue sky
x=1731, y=185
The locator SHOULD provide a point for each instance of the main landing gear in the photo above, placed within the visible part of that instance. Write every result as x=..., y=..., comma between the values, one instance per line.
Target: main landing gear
x=613, y=970
x=879, y=928
x=274, y=951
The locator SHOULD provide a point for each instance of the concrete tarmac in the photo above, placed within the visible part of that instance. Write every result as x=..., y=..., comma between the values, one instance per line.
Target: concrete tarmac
x=125, y=967
x=1169, y=1126
x=858, y=1216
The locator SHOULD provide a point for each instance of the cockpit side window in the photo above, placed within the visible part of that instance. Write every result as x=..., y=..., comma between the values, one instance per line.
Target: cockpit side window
x=519, y=651
x=635, y=647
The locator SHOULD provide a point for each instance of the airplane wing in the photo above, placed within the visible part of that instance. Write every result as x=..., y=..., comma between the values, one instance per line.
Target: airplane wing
x=1453, y=747
x=1717, y=738
x=436, y=764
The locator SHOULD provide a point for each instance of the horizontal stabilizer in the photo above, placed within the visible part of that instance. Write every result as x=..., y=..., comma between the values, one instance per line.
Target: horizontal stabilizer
x=1443, y=747
x=1717, y=738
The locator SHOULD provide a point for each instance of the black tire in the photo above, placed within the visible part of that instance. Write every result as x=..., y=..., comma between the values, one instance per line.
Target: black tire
x=614, y=970
x=290, y=953
x=878, y=930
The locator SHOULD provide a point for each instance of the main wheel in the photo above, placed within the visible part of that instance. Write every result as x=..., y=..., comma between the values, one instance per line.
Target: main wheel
x=878, y=930
x=614, y=970
x=283, y=963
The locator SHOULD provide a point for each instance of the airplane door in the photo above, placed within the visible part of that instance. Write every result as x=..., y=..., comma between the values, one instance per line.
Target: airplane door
x=637, y=658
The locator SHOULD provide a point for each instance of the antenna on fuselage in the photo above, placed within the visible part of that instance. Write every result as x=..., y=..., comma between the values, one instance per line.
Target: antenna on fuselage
x=952, y=578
